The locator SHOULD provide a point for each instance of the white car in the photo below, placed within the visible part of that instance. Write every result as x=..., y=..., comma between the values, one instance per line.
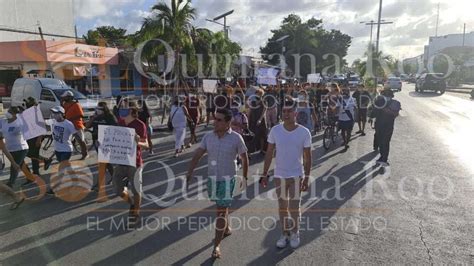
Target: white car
x=393, y=83
x=48, y=92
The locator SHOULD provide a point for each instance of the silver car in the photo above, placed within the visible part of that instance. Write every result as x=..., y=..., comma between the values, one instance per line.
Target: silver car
x=393, y=83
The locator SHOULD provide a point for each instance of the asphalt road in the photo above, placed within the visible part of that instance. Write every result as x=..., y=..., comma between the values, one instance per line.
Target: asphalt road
x=418, y=211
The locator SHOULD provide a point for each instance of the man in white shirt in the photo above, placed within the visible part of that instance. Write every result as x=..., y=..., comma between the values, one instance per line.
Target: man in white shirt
x=292, y=143
x=346, y=107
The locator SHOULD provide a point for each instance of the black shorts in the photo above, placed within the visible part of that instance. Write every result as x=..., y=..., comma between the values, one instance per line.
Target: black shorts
x=361, y=115
x=345, y=125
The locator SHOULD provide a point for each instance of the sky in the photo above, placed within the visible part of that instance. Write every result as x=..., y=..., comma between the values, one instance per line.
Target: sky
x=414, y=21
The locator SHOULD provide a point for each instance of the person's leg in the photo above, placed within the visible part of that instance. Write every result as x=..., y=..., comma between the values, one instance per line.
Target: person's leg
x=385, y=145
x=221, y=227
x=294, y=195
x=80, y=138
x=375, y=144
x=150, y=143
x=137, y=189
x=19, y=158
x=283, y=205
x=9, y=192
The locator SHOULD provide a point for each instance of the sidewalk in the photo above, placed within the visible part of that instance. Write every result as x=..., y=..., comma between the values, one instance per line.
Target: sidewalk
x=462, y=88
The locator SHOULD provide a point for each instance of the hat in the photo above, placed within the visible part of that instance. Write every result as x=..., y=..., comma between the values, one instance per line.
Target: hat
x=67, y=93
x=57, y=109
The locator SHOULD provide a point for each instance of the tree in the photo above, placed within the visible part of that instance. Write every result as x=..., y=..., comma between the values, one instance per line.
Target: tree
x=111, y=36
x=306, y=38
x=171, y=24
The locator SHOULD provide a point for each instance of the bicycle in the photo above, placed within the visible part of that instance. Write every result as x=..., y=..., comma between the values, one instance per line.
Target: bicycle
x=330, y=132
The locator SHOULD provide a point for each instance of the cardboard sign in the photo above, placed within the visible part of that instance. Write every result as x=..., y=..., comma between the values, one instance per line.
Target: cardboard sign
x=209, y=85
x=117, y=145
x=267, y=76
x=314, y=78
x=34, y=124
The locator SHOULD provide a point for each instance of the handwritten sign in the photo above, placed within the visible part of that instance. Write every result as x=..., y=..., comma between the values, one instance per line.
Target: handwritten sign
x=209, y=85
x=34, y=124
x=314, y=78
x=117, y=145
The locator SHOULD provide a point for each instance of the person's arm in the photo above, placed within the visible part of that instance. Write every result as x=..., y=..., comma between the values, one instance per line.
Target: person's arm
x=268, y=162
x=141, y=138
x=186, y=113
x=307, y=160
x=90, y=122
x=245, y=165
x=8, y=155
x=197, y=156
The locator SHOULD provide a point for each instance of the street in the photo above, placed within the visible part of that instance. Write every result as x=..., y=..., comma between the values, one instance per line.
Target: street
x=417, y=211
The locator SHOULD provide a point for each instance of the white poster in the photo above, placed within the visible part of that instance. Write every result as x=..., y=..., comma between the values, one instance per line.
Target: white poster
x=34, y=124
x=209, y=85
x=314, y=78
x=267, y=76
x=117, y=145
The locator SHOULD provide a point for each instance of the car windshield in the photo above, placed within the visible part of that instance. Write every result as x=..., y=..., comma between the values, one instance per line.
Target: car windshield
x=353, y=79
x=77, y=94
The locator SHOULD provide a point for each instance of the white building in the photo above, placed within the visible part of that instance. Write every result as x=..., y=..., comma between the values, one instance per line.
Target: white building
x=437, y=44
x=54, y=16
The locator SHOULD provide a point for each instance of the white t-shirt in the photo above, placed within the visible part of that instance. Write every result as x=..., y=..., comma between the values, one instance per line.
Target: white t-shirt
x=346, y=104
x=62, y=135
x=289, y=150
x=13, y=135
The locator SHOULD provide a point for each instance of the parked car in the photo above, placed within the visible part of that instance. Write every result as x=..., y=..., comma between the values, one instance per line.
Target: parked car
x=393, y=83
x=431, y=82
x=48, y=92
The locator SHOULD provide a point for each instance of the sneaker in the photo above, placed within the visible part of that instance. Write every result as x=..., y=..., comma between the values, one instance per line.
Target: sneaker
x=383, y=164
x=362, y=134
x=295, y=240
x=282, y=242
x=360, y=131
x=47, y=163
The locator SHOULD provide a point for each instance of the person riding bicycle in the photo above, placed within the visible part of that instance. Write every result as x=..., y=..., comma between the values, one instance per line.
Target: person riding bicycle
x=333, y=98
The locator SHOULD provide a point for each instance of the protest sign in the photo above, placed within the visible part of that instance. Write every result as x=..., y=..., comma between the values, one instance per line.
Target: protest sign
x=33, y=121
x=117, y=145
x=209, y=85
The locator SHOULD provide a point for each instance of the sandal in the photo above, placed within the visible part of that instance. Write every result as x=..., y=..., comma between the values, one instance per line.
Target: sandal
x=227, y=232
x=17, y=204
x=216, y=253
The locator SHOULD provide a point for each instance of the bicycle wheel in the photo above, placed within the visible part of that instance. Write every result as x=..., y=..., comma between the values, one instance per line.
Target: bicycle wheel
x=327, y=138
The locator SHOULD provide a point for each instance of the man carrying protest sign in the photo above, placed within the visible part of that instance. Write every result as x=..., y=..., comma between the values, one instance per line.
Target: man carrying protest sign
x=128, y=112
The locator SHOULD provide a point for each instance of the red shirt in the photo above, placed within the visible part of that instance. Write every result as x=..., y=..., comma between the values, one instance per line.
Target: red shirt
x=140, y=129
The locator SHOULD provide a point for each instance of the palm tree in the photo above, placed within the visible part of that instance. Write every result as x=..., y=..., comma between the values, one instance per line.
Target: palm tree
x=171, y=24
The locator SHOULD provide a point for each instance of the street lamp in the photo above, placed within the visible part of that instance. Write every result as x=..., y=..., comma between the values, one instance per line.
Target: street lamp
x=225, y=21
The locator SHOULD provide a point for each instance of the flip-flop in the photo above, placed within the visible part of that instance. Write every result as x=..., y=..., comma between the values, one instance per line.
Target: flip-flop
x=17, y=204
x=227, y=233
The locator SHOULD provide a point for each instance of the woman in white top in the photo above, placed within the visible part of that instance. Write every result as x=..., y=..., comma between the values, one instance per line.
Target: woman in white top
x=12, y=132
x=178, y=116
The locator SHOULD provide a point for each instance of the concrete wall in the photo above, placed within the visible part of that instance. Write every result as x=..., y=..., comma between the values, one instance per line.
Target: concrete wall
x=54, y=16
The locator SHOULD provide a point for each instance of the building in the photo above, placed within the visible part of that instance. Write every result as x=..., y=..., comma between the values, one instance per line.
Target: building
x=439, y=43
x=54, y=16
x=87, y=68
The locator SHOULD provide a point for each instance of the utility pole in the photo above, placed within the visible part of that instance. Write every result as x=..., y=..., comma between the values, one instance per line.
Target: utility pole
x=437, y=22
x=371, y=24
x=225, y=21
x=464, y=35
